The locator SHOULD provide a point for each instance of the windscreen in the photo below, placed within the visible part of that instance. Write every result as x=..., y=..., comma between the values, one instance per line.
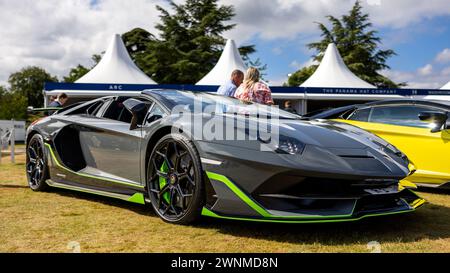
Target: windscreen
x=221, y=104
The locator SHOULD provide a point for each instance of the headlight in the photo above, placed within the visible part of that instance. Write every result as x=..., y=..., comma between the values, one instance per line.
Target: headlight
x=289, y=145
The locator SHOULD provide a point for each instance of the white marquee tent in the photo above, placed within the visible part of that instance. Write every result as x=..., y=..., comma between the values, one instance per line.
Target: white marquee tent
x=332, y=72
x=229, y=61
x=116, y=66
x=446, y=87
x=440, y=97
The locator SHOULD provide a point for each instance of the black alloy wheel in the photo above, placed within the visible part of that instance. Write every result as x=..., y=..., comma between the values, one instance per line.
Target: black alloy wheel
x=175, y=180
x=36, y=164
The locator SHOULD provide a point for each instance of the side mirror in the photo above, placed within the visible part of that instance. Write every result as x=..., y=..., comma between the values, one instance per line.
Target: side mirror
x=154, y=118
x=438, y=119
x=137, y=108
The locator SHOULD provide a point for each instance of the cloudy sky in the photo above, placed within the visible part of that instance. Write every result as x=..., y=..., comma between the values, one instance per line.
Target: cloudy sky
x=59, y=34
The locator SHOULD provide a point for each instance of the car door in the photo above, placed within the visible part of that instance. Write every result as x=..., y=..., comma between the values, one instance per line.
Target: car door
x=399, y=124
x=110, y=148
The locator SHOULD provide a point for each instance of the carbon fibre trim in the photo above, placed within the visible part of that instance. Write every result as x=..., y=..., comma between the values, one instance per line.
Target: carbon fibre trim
x=266, y=216
x=135, y=198
x=208, y=213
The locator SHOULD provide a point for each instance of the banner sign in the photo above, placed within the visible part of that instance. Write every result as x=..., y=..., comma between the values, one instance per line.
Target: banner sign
x=50, y=86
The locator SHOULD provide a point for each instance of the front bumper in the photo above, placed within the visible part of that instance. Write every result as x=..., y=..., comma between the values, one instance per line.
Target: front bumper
x=231, y=202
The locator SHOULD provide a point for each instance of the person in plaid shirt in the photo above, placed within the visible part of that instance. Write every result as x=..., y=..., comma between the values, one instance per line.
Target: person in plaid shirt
x=252, y=90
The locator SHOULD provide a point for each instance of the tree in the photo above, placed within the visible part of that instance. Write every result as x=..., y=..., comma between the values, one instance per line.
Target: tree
x=138, y=43
x=76, y=73
x=254, y=63
x=190, y=42
x=80, y=70
x=358, y=45
x=12, y=105
x=301, y=75
x=29, y=83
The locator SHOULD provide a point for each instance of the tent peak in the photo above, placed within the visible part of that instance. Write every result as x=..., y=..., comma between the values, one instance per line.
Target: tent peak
x=446, y=87
x=333, y=72
x=116, y=66
x=229, y=61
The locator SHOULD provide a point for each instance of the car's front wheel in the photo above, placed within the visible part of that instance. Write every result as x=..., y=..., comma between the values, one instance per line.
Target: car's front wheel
x=36, y=164
x=175, y=180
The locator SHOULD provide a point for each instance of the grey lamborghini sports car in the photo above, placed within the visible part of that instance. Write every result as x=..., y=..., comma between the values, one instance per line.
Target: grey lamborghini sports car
x=138, y=149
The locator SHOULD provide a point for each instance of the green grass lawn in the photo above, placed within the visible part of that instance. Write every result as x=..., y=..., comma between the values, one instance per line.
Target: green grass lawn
x=50, y=222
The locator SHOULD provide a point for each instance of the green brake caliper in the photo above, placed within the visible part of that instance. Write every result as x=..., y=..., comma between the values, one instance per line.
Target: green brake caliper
x=163, y=182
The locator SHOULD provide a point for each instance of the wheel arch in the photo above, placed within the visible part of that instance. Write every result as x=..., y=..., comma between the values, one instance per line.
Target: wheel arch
x=30, y=135
x=153, y=140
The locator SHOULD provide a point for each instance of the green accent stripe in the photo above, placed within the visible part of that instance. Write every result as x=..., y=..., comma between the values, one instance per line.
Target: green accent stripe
x=206, y=212
x=136, y=198
x=87, y=175
x=264, y=213
x=239, y=193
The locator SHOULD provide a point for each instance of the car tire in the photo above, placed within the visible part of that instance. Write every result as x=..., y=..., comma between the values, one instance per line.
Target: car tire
x=37, y=164
x=175, y=180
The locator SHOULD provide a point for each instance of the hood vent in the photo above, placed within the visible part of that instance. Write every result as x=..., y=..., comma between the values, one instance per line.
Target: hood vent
x=357, y=156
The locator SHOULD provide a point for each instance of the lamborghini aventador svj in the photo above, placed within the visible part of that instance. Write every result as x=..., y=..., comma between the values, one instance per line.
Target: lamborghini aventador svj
x=164, y=148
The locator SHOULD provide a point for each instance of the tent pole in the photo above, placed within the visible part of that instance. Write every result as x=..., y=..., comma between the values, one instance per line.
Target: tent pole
x=45, y=100
x=13, y=141
x=305, y=103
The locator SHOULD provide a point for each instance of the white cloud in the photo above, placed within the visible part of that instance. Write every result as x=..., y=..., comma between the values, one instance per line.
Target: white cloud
x=426, y=70
x=297, y=65
x=443, y=56
x=273, y=19
x=446, y=71
x=401, y=13
x=416, y=79
x=433, y=75
x=58, y=35
x=374, y=2
x=277, y=50
x=278, y=81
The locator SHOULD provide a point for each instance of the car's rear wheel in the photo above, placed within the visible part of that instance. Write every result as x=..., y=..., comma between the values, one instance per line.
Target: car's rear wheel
x=36, y=164
x=175, y=180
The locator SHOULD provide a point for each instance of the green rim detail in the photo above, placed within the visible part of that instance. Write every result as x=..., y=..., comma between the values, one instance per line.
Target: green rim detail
x=258, y=208
x=162, y=181
x=87, y=175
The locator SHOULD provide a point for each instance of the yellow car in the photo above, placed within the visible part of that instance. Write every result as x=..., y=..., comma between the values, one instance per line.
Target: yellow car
x=419, y=128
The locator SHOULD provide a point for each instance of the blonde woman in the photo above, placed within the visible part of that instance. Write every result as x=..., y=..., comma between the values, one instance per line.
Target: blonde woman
x=252, y=90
